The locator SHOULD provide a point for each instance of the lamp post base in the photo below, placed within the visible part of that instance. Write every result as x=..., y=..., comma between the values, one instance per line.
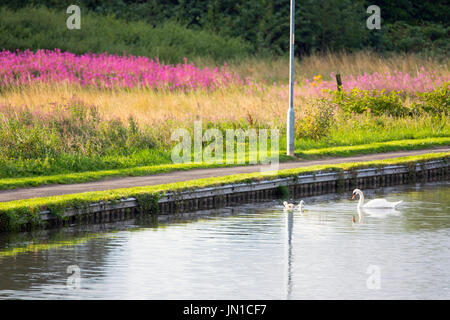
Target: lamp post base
x=290, y=132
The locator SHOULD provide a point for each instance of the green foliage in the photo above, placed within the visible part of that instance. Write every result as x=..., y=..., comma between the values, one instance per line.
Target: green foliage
x=346, y=151
x=73, y=137
x=321, y=25
x=412, y=12
x=148, y=203
x=436, y=102
x=74, y=143
x=375, y=102
x=430, y=39
x=15, y=220
x=41, y=28
x=331, y=25
x=73, y=128
x=316, y=122
x=365, y=128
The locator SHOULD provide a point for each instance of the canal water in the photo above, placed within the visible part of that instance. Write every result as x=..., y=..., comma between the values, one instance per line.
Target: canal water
x=248, y=252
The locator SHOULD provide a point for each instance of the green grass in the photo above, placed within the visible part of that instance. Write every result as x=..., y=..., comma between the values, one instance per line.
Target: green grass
x=88, y=176
x=75, y=137
x=366, y=129
x=14, y=214
x=376, y=147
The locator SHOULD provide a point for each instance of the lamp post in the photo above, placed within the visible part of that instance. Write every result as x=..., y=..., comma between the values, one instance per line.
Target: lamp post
x=291, y=114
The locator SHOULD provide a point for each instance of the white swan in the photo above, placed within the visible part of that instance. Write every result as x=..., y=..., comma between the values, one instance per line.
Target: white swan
x=291, y=206
x=301, y=206
x=376, y=203
x=288, y=206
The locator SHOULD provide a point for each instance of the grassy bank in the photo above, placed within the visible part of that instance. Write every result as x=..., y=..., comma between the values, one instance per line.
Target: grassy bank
x=62, y=114
x=85, y=130
x=17, y=213
x=88, y=176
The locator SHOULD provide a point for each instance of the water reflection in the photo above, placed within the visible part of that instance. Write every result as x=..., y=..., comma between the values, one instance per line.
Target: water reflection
x=290, y=228
x=248, y=252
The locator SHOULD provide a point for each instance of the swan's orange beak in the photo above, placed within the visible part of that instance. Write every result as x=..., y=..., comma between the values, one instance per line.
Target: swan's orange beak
x=353, y=197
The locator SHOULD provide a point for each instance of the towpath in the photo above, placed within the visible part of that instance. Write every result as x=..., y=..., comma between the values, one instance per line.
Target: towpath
x=178, y=176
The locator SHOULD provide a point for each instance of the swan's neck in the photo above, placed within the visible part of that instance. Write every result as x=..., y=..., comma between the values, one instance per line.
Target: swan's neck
x=361, y=199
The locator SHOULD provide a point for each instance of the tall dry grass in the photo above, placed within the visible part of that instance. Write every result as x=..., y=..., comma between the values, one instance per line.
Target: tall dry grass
x=277, y=70
x=232, y=104
x=261, y=105
x=151, y=107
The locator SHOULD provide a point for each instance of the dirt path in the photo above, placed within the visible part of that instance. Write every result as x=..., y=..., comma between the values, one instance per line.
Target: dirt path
x=176, y=176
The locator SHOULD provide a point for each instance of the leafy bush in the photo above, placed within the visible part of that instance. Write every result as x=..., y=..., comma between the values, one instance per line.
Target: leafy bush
x=434, y=102
x=315, y=123
x=428, y=38
x=374, y=101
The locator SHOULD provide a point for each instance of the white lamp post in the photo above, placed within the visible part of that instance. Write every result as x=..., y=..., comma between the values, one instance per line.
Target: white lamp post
x=291, y=114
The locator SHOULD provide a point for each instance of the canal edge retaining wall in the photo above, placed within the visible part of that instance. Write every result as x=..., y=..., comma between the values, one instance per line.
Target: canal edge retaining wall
x=232, y=194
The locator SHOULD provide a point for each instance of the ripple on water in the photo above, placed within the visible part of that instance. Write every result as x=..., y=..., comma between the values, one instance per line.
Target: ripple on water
x=258, y=252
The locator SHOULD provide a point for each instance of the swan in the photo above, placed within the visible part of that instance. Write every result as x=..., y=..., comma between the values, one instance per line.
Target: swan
x=376, y=212
x=291, y=206
x=288, y=206
x=376, y=203
x=301, y=206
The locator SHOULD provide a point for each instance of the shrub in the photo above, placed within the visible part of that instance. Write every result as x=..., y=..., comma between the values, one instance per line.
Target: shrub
x=374, y=101
x=427, y=38
x=316, y=120
x=435, y=102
